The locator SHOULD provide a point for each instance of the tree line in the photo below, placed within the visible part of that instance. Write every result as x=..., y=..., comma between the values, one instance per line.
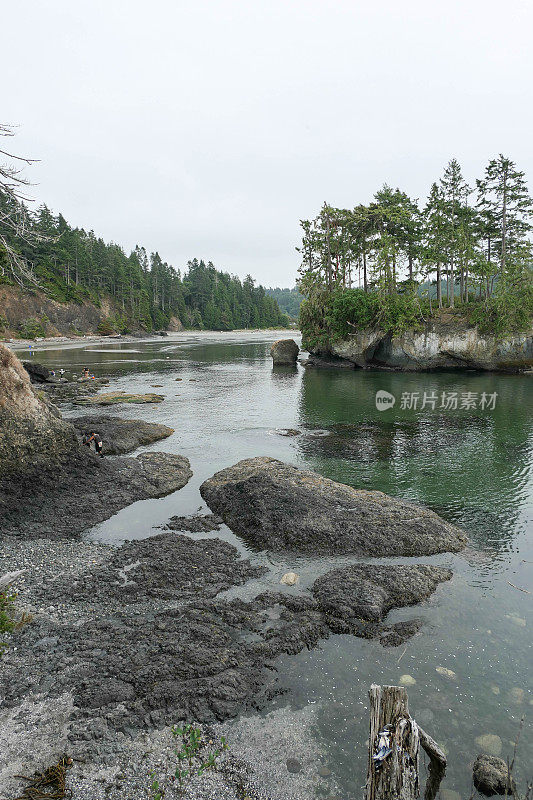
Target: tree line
x=71, y=264
x=464, y=245
x=289, y=300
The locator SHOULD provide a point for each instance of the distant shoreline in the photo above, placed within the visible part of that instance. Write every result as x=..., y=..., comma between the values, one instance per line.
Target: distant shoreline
x=62, y=342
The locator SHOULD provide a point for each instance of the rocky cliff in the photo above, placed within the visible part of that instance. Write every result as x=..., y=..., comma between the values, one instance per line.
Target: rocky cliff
x=446, y=343
x=49, y=484
x=32, y=434
x=67, y=319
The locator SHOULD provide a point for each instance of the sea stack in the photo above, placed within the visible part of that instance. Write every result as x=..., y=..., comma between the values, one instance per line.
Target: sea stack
x=284, y=351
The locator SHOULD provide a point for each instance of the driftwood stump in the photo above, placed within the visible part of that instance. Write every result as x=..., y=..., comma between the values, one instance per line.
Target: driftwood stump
x=397, y=776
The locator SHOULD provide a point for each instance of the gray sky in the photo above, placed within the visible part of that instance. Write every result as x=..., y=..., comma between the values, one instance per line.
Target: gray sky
x=209, y=128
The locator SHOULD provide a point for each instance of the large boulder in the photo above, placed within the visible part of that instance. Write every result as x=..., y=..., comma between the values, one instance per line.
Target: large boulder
x=491, y=776
x=121, y=435
x=284, y=351
x=33, y=436
x=276, y=506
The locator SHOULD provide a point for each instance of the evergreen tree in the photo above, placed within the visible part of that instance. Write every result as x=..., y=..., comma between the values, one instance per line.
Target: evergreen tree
x=434, y=236
x=455, y=192
x=505, y=207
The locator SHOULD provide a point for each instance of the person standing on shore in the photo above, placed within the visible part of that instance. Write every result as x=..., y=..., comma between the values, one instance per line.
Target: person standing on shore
x=98, y=445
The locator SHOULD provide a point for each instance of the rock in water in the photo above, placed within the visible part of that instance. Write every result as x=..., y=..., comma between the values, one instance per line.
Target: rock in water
x=446, y=673
x=491, y=776
x=276, y=506
x=284, y=351
x=121, y=435
x=293, y=765
x=446, y=342
x=37, y=372
x=114, y=398
x=362, y=593
x=490, y=742
x=290, y=579
x=197, y=523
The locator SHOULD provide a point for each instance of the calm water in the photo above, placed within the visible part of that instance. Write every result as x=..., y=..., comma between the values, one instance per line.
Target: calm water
x=473, y=467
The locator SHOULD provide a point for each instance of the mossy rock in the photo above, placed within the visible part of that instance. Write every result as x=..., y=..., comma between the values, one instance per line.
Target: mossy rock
x=113, y=398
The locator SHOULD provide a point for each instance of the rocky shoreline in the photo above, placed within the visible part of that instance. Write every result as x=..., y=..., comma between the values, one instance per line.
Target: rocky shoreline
x=125, y=642
x=119, y=644
x=447, y=343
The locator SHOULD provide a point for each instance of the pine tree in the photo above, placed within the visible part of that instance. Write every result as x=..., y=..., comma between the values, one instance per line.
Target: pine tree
x=455, y=193
x=505, y=207
x=434, y=235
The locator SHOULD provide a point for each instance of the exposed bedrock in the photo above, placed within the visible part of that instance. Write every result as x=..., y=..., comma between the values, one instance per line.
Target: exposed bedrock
x=83, y=489
x=352, y=597
x=121, y=435
x=50, y=486
x=441, y=345
x=142, y=640
x=276, y=506
x=33, y=437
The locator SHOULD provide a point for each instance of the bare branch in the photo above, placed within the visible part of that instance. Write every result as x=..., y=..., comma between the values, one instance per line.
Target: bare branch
x=15, y=220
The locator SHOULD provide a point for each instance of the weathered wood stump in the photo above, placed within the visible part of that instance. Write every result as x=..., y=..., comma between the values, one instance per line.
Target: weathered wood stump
x=395, y=776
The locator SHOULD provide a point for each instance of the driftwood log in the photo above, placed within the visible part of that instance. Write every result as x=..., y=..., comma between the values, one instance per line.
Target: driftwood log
x=7, y=579
x=396, y=777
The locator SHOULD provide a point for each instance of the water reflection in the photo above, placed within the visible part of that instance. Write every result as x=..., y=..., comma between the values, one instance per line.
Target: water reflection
x=474, y=468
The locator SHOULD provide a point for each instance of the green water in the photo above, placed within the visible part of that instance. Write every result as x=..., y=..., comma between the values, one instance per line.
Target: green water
x=471, y=466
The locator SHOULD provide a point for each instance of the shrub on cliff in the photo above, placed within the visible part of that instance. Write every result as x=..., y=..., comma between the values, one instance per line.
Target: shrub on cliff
x=106, y=328
x=509, y=309
x=326, y=317
x=32, y=327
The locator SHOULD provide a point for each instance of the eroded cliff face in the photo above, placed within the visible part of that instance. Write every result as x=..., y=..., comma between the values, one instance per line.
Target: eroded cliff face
x=65, y=319
x=32, y=434
x=453, y=345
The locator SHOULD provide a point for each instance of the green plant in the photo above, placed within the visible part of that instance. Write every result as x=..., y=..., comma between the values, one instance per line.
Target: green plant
x=327, y=317
x=31, y=328
x=508, y=310
x=9, y=621
x=190, y=759
x=105, y=327
x=7, y=612
x=158, y=792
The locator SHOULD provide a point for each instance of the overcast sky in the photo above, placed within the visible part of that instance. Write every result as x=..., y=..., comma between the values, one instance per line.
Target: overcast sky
x=209, y=128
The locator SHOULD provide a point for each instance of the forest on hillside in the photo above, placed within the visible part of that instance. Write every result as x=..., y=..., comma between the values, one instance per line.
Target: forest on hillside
x=393, y=263
x=72, y=265
x=289, y=300
x=41, y=252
